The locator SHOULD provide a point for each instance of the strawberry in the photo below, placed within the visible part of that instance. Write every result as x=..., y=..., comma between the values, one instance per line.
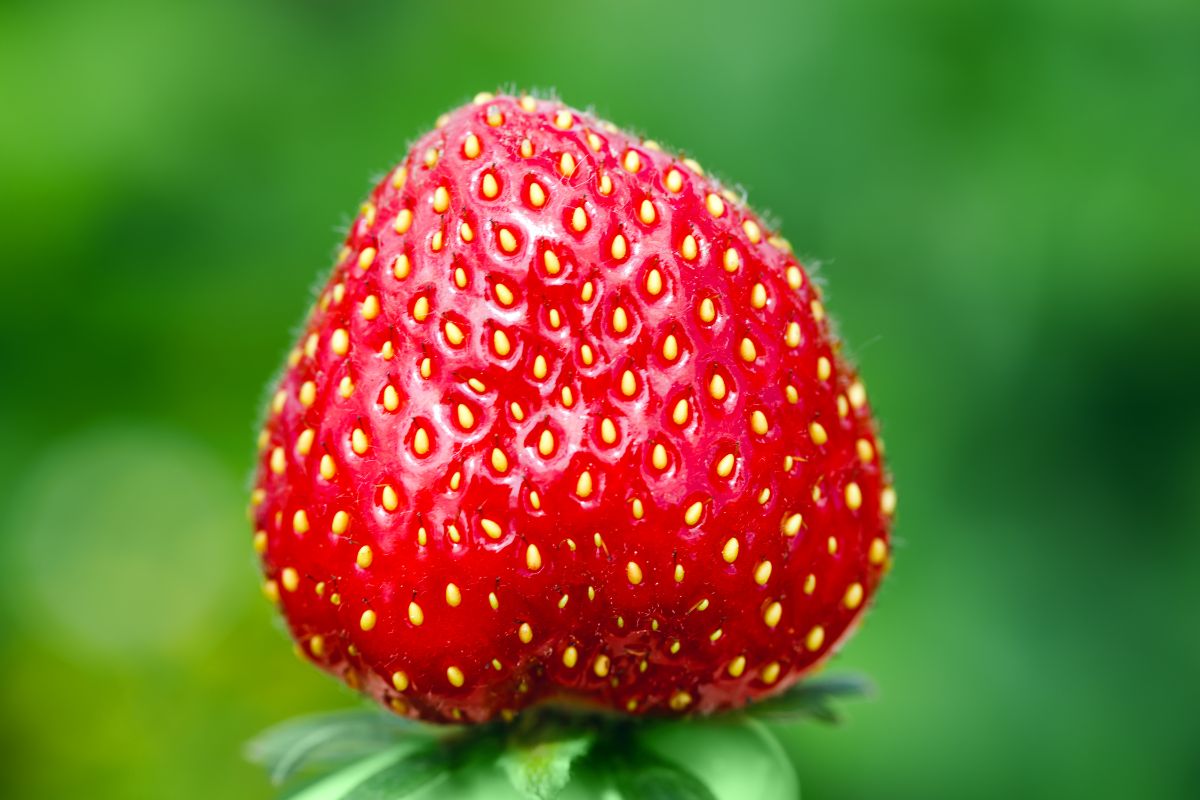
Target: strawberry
x=567, y=422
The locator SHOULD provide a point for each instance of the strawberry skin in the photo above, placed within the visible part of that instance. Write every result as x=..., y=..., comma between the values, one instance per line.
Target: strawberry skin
x=567, y=422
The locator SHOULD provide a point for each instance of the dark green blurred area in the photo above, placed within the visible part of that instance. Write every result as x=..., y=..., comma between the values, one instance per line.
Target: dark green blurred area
x=1006, y=201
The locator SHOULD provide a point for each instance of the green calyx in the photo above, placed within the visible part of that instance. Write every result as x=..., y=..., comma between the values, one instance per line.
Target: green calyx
x=546, y=753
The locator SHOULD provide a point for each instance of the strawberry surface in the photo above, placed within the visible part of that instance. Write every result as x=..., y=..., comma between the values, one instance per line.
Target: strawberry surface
x=567, y=422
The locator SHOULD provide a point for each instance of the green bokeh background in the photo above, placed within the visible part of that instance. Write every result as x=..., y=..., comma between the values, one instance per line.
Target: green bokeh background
x=1005, y=197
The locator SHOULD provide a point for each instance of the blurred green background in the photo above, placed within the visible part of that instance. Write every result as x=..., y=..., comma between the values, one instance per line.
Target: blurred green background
x=1005, y=197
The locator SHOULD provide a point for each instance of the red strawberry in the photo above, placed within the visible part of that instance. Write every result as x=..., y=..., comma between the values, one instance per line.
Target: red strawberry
x=566, y=422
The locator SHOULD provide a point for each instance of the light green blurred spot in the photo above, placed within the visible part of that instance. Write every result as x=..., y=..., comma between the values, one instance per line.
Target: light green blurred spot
x=127, y=540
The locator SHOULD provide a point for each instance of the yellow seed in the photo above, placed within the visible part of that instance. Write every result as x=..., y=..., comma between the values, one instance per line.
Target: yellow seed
x=608, y=431
x=679, y=573
x=341, y=521
x=508, y=242
x=426, y=367
x=525, y=633
x=748, y=351
x=453, y=595
x=818, y=310
x=460, y=274
x=366, y=258
x=680, y=700
x=877, y=553
x=853, y=597
x=793, y=396
x=647, y=213
x=791, y=524
x=866, y=452
x=816, y=432
x=730, y=551
x=466, y=420
x=401, y=267
x=731, y=261
x=681, y=412
x=854, y=496
x=887, y=500
x=367, y=620
x=555, y=318
x=566, y=165
x=726, y=464
x=328, y=468
x=490, y=186
x=737, y=667
x=619, y=247
x=762, y=573
x=454, y=334
x=431, y=155
x=290, y=579
x=421, y=441
x=570, y=657
x=472, y=147
x=454, y=674
x=632, y=162
x=633, y=572
x=493, y=601
x=673, y=181
x=620, y=320
x=758, y=423
x=606, y=184
x=815, y=638
x=517, y=412
x=579, y=219
x=692, y=515
x=753, y=232
x=583, y=487
x=716, y=387
x=689, y=249
x=300, y=522
x=764, y=496
x=304, y=441
x=438, y=240
x=810, y=584
x=421, y=308
x=499, y=460
x=628, y=384
x=400, y=681
x=670, y=348
x=308, y=393
x=550, y=260
x=659, y=457
x=500, y=343
x=441, y=199
x=714, y=204
x=792, y=337
x=654, y=283
x=533, y=558
x=365, y=556
x=339, y=342
x=537, y=195
x=540, y=368
x=770, y=673
x=260, y=541
x=585, y=294
x=403, y=221
x=676, y=646
x=391, y=398
x=758, y=296
x=708, y=310
x=824, y=368
x=399, y=177
x=415, y=614
x=546, y=442
x=528, y=104
x=568, y=399
x=492, y=529
x=773, y=614
x=636, y=508
x=370, y=308
x=390, y=500
x=795, y=277
x=601, y=665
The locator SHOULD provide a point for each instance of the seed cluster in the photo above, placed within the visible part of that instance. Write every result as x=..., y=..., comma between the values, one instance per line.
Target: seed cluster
x=566, y=420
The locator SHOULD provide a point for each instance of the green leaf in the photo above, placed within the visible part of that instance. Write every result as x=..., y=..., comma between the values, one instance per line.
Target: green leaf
x=392, y=774
x=649, y=778
x=540, y=771
x=406, y=776
x=811, y=699
x=324, y=739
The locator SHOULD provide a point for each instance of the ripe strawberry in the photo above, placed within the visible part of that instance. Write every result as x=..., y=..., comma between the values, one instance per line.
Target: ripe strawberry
x=566, y=422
